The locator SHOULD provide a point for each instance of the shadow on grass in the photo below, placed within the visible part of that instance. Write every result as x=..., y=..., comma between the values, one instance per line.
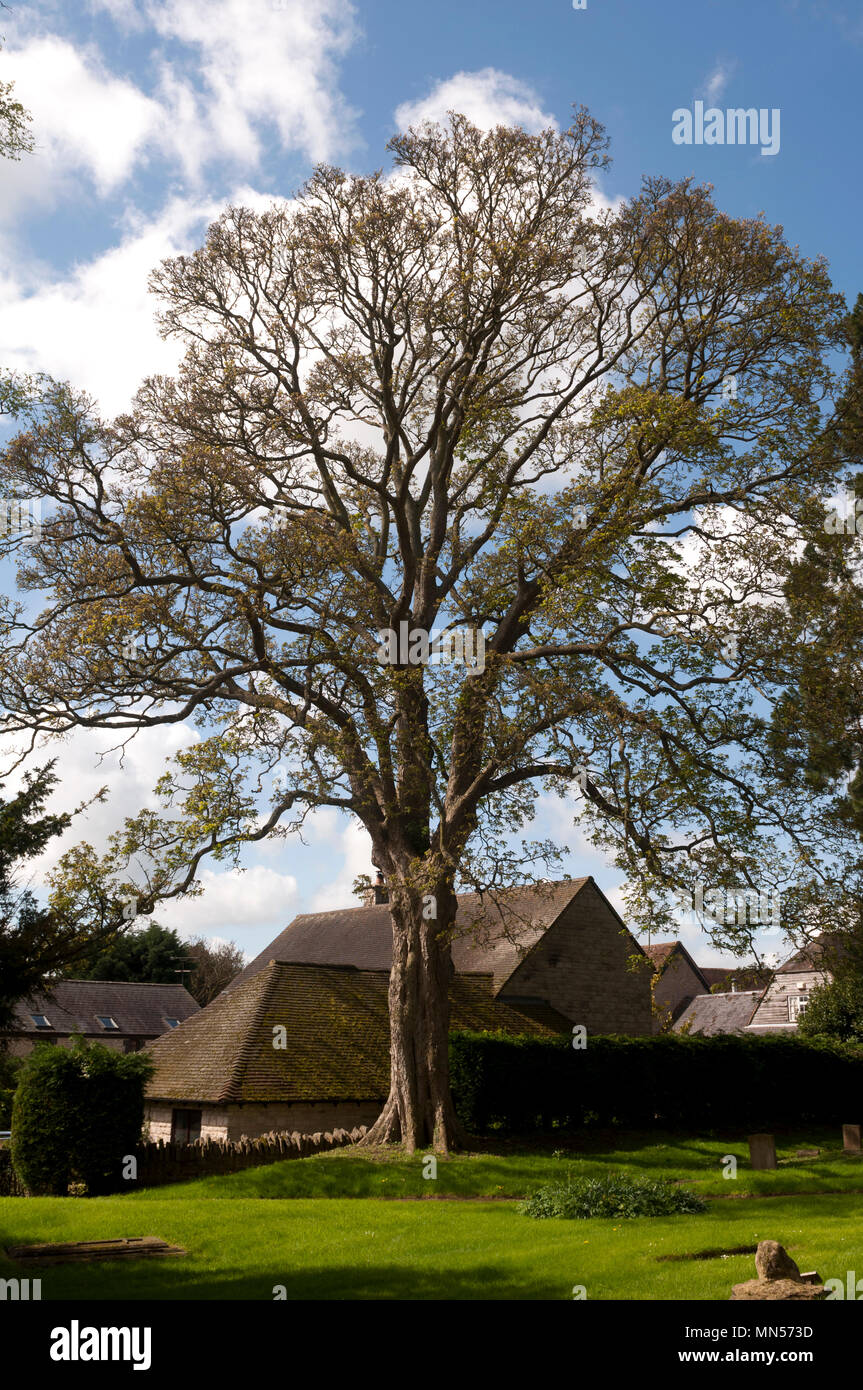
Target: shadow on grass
x=172, y=1283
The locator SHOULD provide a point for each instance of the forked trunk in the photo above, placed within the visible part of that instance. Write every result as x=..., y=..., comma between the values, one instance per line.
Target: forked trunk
x=419, y=1111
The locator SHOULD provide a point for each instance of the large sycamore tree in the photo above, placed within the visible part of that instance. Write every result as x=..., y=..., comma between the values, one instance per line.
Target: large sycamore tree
x=454, y=396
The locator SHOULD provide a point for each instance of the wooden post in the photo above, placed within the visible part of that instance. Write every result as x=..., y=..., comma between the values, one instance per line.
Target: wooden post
x=762, y=1151
x=852, y=1138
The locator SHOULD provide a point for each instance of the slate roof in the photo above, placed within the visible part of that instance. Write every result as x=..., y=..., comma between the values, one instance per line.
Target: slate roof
x=336, y=1025
x=140, y=1010
x=709, y=1014
x=492, y=936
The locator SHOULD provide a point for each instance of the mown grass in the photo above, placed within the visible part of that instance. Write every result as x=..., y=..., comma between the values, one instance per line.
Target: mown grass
x=515, y=1170
x=325, y=1232
x=365, y=1249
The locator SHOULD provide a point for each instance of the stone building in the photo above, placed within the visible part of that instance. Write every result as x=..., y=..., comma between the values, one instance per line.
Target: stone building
x=300, y=1047
x=677, y=980
x=124, y=1016
x=560, y=945
x=536, y=960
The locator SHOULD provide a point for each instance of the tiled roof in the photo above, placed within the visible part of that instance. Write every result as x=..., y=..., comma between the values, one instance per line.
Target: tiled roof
x=336, y=1036
x=492, y=935
x=709, y=1014
x=538, y=1010
x=72, y=1006
x=659, y=952
x=663, y=953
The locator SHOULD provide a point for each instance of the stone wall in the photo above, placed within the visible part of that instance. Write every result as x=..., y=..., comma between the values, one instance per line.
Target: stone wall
x=234, y=1122
x=675, y=988
x=159, y=1163
x=581, y=968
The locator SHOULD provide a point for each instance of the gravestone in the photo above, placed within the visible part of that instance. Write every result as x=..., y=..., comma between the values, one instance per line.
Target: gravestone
x=852, y=1138
x=762, y=1151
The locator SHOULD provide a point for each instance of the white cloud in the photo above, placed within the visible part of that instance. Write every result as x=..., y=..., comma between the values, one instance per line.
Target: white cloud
x=233, y=901
x=85, y=120
x=350, y=855
x=718, y=80
x=95, y=326
x=269, y=62
x=487, y=97
x=82, y=771
x=223, y=69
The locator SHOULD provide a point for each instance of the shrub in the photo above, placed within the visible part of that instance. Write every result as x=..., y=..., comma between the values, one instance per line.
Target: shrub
x=835, y=1010
x=616, y=1195
x=77, y=1112
x=42, y=1120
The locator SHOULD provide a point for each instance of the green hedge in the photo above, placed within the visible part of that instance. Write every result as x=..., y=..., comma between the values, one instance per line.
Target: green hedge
x=734, y=1081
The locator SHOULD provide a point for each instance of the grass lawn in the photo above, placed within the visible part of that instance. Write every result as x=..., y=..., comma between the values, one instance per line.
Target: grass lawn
x=511, y=1169
x=358, y=1245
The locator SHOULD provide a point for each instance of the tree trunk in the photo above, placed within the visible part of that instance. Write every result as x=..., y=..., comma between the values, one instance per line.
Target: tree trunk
x=419, y=1111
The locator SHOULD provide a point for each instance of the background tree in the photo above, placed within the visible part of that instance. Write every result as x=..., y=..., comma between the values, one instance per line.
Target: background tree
x=148, y=954
x=154, y=954
x=836, y=1009
x=216, y=964
x=37, y=941
x=9, y=1068
x=818, y=723
x=453, y=398
x=16, y=137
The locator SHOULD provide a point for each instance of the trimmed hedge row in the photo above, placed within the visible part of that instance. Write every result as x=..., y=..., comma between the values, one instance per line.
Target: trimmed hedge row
x=678, y=1082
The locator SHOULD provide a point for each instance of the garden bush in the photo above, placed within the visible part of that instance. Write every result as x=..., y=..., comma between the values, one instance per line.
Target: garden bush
x=616, y=1195
x=76, y=1113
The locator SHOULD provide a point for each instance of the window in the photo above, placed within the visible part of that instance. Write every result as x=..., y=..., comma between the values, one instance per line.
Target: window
x=172, y=1022
x=41, y=1021
x=185, y=1126
x=108, y=1023
x=797, y=1006
x=132, y=1044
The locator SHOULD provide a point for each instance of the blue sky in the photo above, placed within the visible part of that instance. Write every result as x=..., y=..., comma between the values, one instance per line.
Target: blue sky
x=150, y=115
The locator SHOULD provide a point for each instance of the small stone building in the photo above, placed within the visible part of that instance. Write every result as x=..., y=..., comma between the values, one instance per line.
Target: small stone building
x=300, y=1047
x=677, y=980
x=556, y=945
x=122, y=1015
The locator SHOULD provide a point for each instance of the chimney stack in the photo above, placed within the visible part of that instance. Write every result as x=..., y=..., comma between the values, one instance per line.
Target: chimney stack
x=381, y=891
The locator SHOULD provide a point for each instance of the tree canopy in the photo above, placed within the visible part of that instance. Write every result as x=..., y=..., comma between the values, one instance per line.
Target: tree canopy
x=455, y=397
